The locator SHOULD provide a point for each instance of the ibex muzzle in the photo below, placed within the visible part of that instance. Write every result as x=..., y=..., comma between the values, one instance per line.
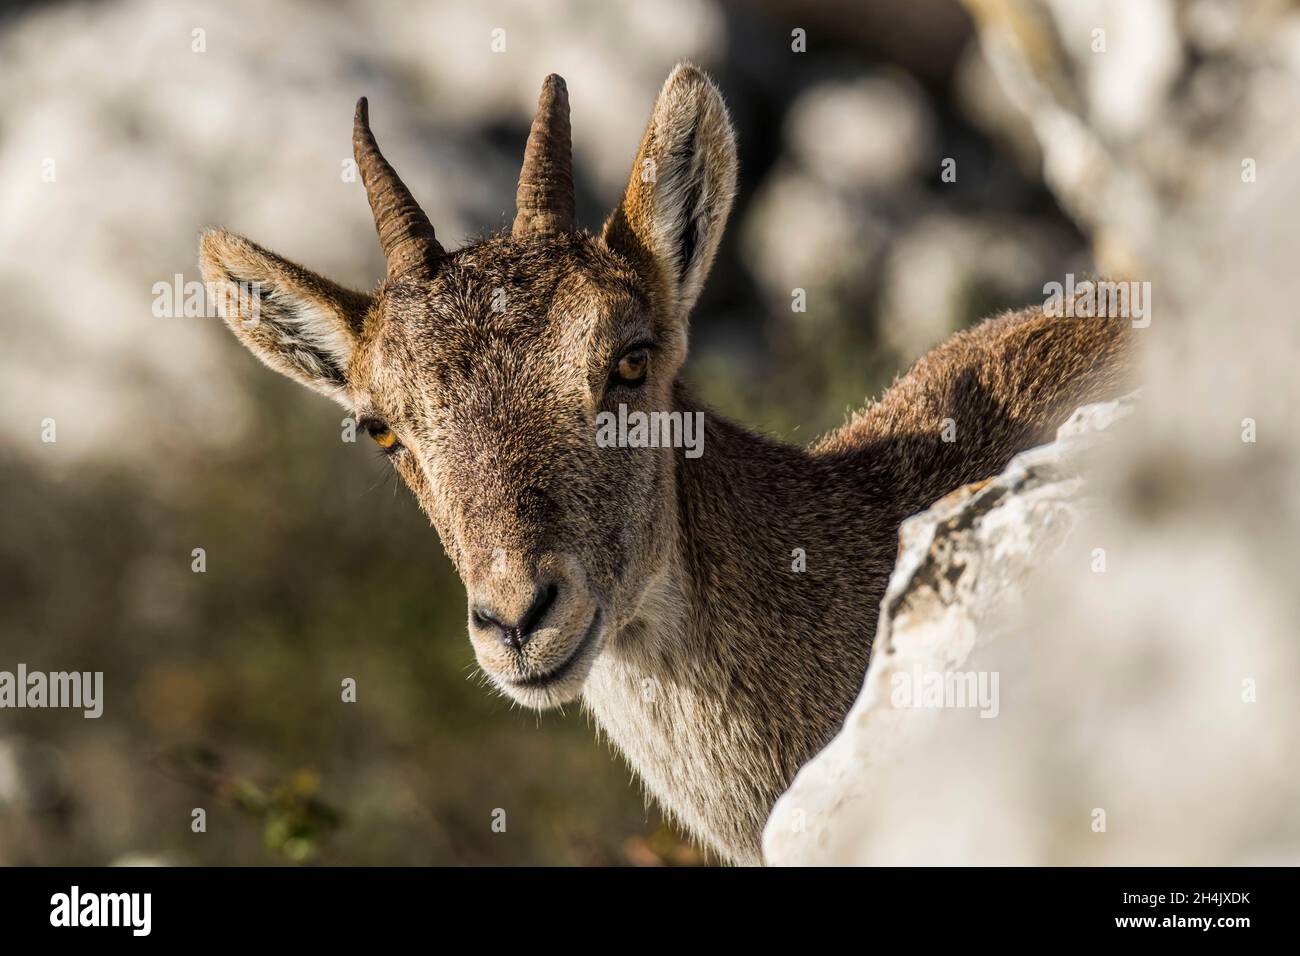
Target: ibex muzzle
x=536, y=626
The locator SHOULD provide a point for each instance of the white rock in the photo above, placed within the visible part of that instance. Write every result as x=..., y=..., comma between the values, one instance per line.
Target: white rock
x=960, y=561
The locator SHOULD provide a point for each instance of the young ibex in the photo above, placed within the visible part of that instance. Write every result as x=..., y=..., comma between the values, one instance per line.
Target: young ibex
x=656, y=587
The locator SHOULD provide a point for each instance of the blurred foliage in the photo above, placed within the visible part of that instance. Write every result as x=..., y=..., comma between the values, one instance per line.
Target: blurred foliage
x=295, y=822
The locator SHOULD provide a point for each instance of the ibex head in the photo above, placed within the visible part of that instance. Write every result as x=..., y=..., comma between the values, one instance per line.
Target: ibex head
x=480, y=373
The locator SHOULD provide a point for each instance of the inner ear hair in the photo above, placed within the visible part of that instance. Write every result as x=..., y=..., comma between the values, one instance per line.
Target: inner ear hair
x=690, y=172
x=294, y=320
x=669, y=224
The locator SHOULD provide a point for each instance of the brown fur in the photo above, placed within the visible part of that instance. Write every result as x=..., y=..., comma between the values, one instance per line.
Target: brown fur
x=677, y=617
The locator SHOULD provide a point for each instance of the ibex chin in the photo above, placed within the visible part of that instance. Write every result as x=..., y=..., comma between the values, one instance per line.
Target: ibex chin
x=657, y=587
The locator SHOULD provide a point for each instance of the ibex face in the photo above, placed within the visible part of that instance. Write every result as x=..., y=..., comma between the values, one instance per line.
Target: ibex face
x=481, y=373
x=490, y=407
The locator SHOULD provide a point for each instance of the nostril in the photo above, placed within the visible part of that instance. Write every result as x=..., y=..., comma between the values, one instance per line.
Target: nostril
x=542, y=602
x=516, y=635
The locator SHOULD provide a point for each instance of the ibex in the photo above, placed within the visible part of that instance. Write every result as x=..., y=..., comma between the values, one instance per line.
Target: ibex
x=658, y=588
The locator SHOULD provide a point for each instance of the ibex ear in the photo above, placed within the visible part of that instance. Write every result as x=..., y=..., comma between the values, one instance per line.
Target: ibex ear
x=298, y=323
x=675, y=208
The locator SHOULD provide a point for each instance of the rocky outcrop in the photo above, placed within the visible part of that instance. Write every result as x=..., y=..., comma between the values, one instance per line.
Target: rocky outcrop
x=960, y=563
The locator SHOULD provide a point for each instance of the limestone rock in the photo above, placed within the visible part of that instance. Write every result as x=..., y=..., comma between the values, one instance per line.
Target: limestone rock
x=959, y=563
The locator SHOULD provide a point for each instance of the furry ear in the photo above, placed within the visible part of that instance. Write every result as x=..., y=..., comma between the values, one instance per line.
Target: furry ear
x=297, y=322
x=677, y=200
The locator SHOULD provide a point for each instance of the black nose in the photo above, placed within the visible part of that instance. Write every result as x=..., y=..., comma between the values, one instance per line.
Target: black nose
x=516, y=635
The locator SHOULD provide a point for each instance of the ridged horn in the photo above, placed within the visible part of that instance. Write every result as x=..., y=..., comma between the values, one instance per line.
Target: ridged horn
x=544, y=200
x=405, y=233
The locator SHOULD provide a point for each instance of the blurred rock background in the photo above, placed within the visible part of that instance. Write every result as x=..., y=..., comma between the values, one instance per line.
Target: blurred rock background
x=128, y=125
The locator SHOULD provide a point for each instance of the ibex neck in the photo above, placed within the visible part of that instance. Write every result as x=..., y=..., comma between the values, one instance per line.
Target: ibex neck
x=752, y=646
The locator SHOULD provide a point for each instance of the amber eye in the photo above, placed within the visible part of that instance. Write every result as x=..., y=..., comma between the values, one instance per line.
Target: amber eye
x=632, y=366
x=382, y=434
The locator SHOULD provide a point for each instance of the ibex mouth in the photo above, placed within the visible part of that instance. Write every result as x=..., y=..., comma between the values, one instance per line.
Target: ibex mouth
x=557, y=674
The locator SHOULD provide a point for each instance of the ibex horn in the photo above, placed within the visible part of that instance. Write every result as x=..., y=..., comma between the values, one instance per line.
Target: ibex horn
x=405, y=233
x=544, y=201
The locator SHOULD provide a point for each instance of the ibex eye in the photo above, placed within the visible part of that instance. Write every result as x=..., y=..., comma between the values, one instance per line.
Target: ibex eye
x=632, y=367
x=382, y=434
